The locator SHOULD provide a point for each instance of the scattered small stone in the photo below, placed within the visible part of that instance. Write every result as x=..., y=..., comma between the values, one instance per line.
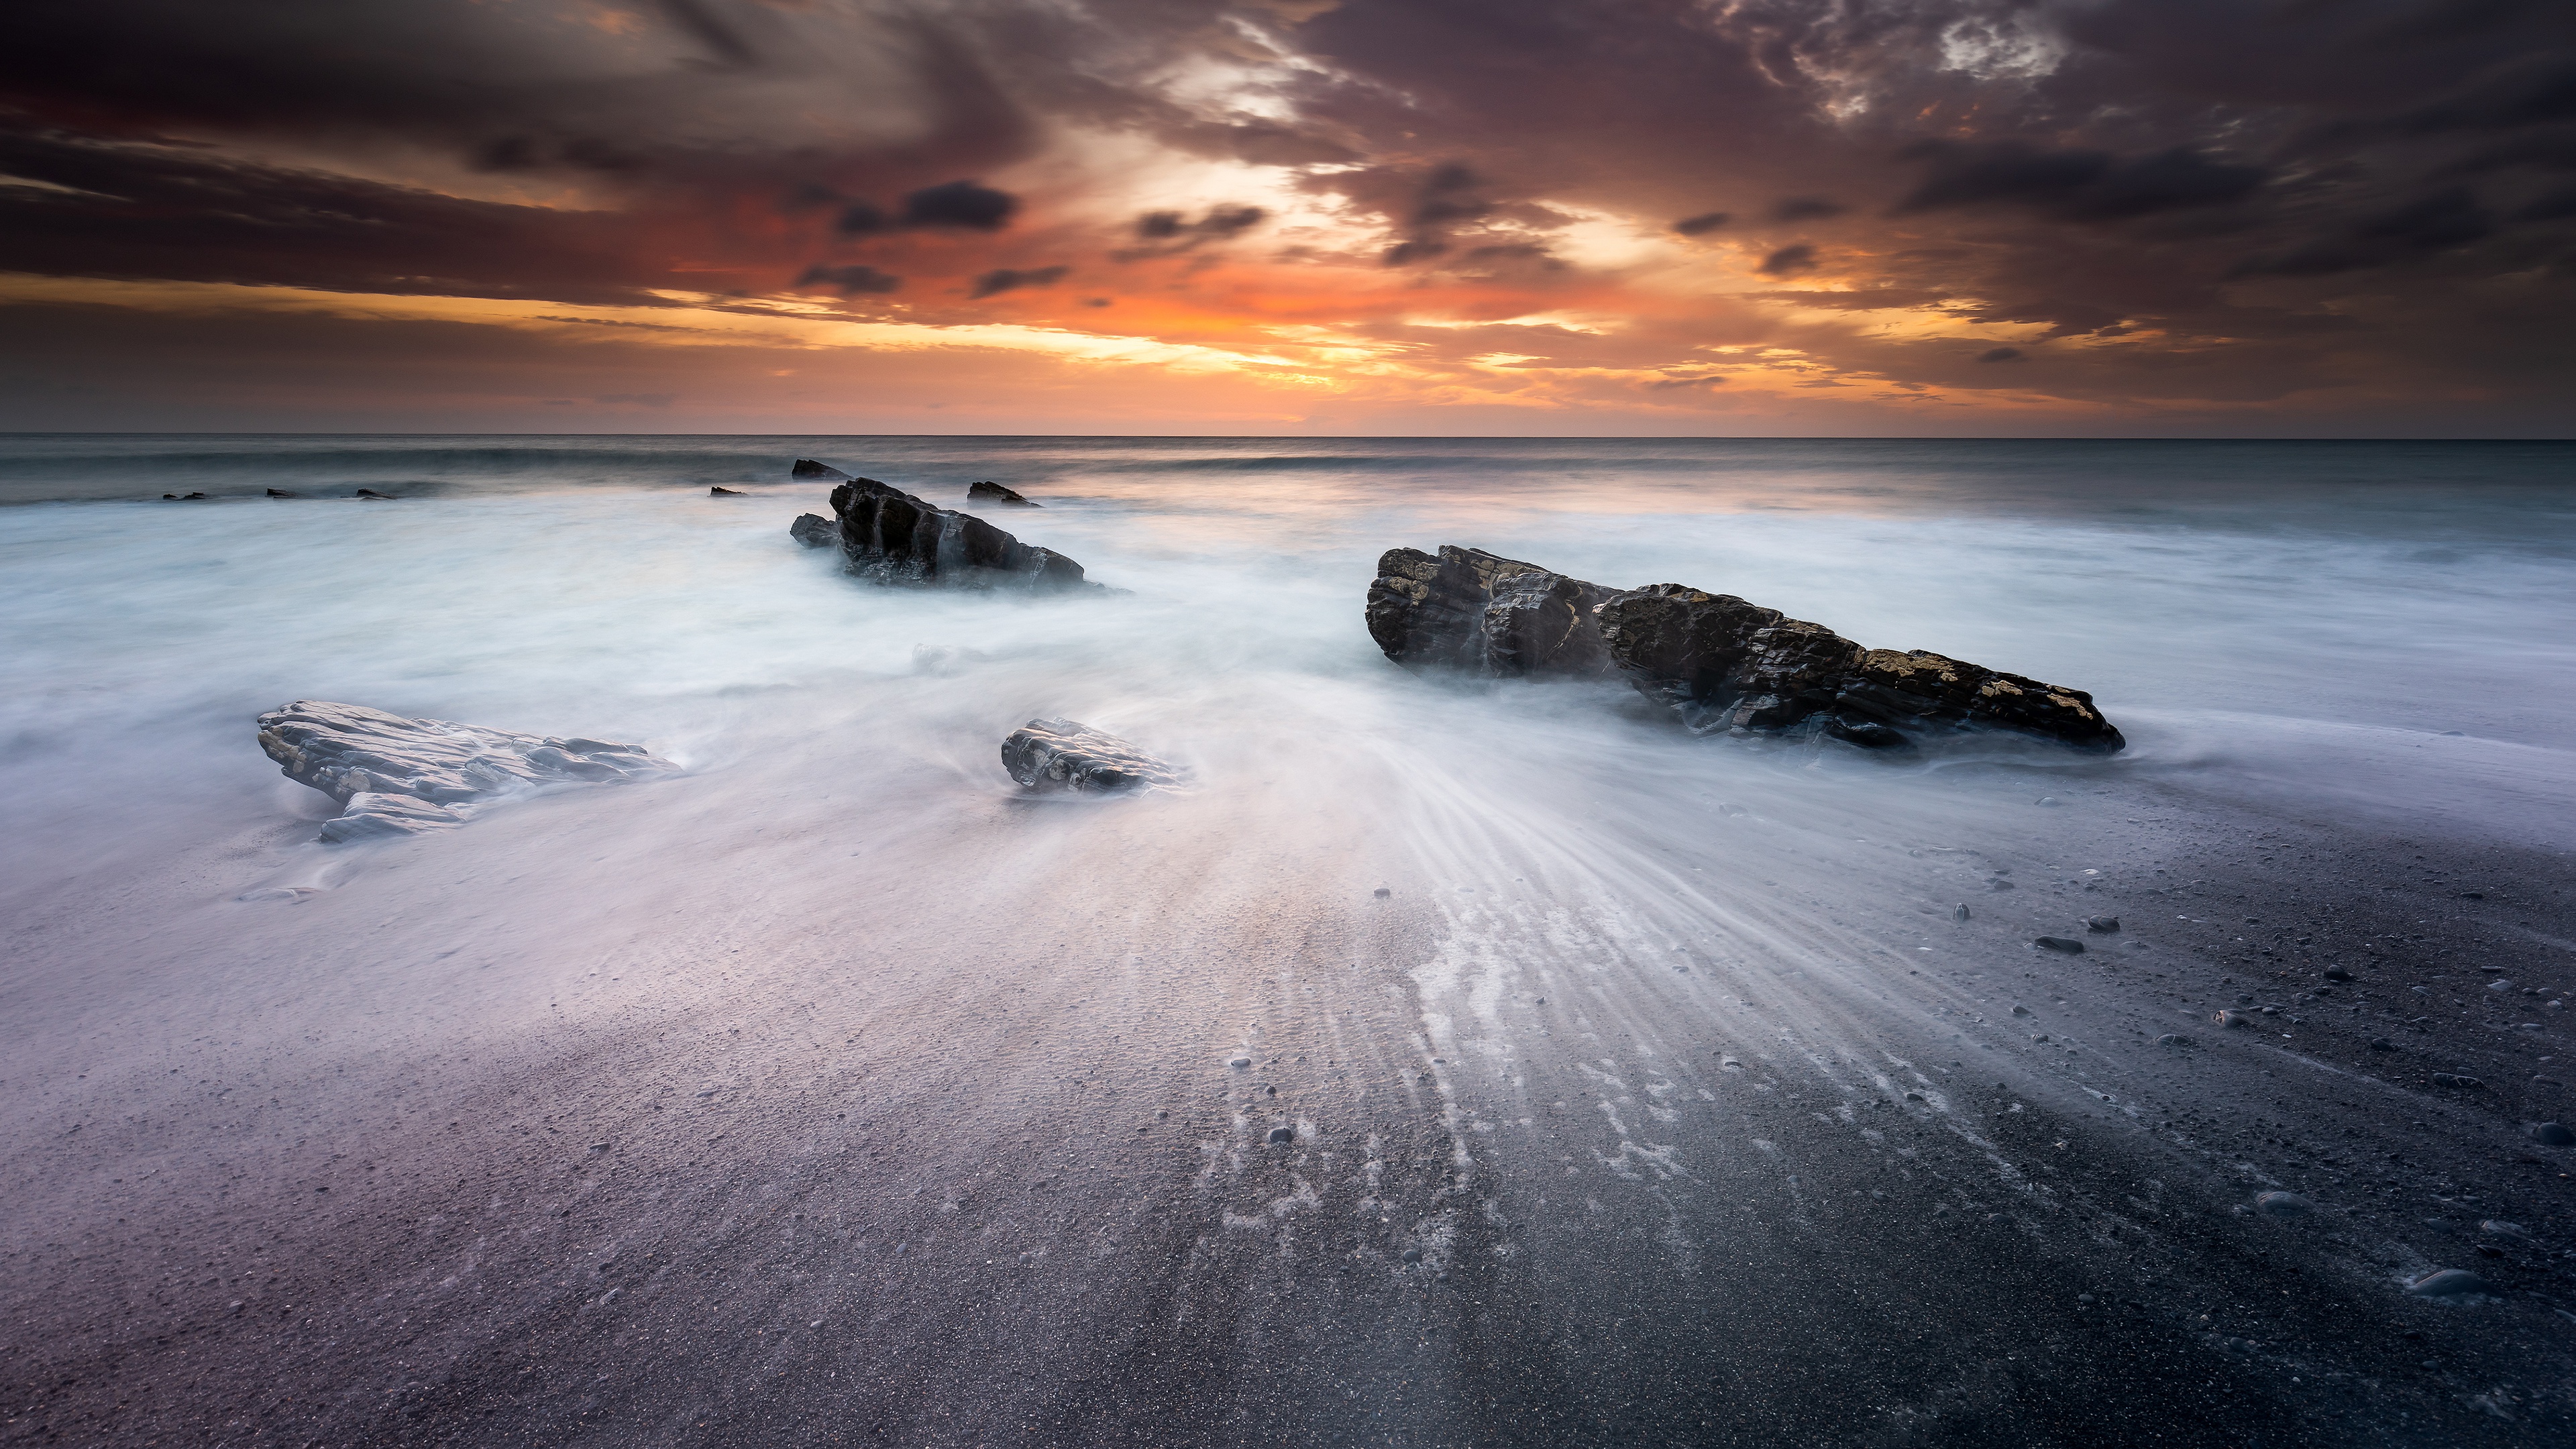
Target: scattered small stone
x=1914, y=1096
x=2047, y=799
x=2455, y=1079
x=2498, y=1227
x=2102, y=925
x=2473, y=895
x=2337, y=973
x=2553, y=1134
x=2000, y=884
x=599, y=1147
x=2447, y=1283
x=1995, y=1217
x=2021, y=1010
x=1959, y=912
x=726, y=493
x=2059, y=944
x=2233, y=1018
x=2382, y=1044
x=1538, y=1001
x=1729, y=1064
x=1383, y=893
x=1412, y=1255
x=2175, y=1038
x=1281, y=1136
x=1240, y=1062
x=2282, y=1205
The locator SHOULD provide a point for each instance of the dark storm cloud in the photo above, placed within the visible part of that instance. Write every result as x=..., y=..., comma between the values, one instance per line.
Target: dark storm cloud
x=966, y=205
x=1806, y=208
x=850, y=280
x=2000, y=354
x=1161, y=233
x=1790, y=260
x=2078, y=185
x=1702, y=224
x=1008, y=279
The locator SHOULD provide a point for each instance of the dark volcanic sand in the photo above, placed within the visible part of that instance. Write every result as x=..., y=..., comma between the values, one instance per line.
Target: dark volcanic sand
x=862, y=1161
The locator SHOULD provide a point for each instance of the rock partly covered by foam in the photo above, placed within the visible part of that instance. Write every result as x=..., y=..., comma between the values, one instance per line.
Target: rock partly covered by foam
x=397, y=776
x=996, y=493
x=808, y=468
x=1720, y=663
x=894, y=538
x=814, y=531
x=1061, y=754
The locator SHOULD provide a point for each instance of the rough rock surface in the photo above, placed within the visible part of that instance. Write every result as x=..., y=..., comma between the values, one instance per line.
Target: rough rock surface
x=996, y=493
x=398, y=776
x=1469, y=609
x=894, y=538
x=814, y=531
x=808, y=468
x=1719, y=662
x=1062, y=754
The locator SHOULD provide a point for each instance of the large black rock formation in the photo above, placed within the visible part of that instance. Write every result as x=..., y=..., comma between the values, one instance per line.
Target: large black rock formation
x=1720, y=663
x=894, y=538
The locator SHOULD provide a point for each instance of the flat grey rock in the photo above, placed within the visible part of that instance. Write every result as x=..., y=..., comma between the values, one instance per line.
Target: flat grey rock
x=2448, y=1283
x=1063, y=754
x=394, y=776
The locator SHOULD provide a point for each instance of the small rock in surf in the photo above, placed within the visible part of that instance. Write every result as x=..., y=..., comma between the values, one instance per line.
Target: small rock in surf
x=2102, y=925
x=996, y=493
x=814, y=531
x=1062, y=754
x=726, y=493
x=2061, y=944
x=395, y=776
x=808, y=468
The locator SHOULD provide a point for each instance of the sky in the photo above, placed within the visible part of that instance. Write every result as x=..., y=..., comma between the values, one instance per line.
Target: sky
x=1426, y=217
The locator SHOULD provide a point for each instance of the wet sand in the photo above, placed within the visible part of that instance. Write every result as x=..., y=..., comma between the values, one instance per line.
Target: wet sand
x=1663, y=1129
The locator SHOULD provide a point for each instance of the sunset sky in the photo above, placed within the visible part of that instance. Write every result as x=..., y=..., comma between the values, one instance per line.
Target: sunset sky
x=1901, y=217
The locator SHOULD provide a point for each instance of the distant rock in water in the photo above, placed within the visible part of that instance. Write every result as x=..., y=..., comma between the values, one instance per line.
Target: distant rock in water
x=996, y=493
x=894, y=538
x=282, y=493
x=808, y=468
x=397, y=776
x=726, y=493
x=1060, y=754
x=1720, y=663
x=814, y=531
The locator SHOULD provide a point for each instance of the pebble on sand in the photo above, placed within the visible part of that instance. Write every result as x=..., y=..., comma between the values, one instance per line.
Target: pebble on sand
x=2337, y=973
x=2282, y=1205
x=2382, y=1044
x=2233, y=1018
x=2059, y=944
x=2553, y=1134
x=1240, y=1062
x=2102, y=925
x=1383, y=892
x=2447, y=1283
x=2175, y=1038
x=2498, y=1227
x=1281, y=1136
x=1959, y=912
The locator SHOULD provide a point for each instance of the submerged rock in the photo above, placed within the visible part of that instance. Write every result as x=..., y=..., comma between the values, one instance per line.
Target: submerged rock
x=996, y=493
x=282, y=493
x=1061, y=754
x=1719, y=662
x=894, y=538
x=814, y=531
x=808, y=468
x=726, y=493
x=397, y=776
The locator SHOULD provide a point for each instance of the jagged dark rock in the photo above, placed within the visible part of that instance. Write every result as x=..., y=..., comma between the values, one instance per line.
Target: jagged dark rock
x=894, y=538
x=808, y=468
x=1469, y=609
x=1720, y=663
x=365, y=493
x=282, y=493
x=814, y=531
x=1061, y=754
x=726, y=493
x=996, y=493
x=396, y=776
